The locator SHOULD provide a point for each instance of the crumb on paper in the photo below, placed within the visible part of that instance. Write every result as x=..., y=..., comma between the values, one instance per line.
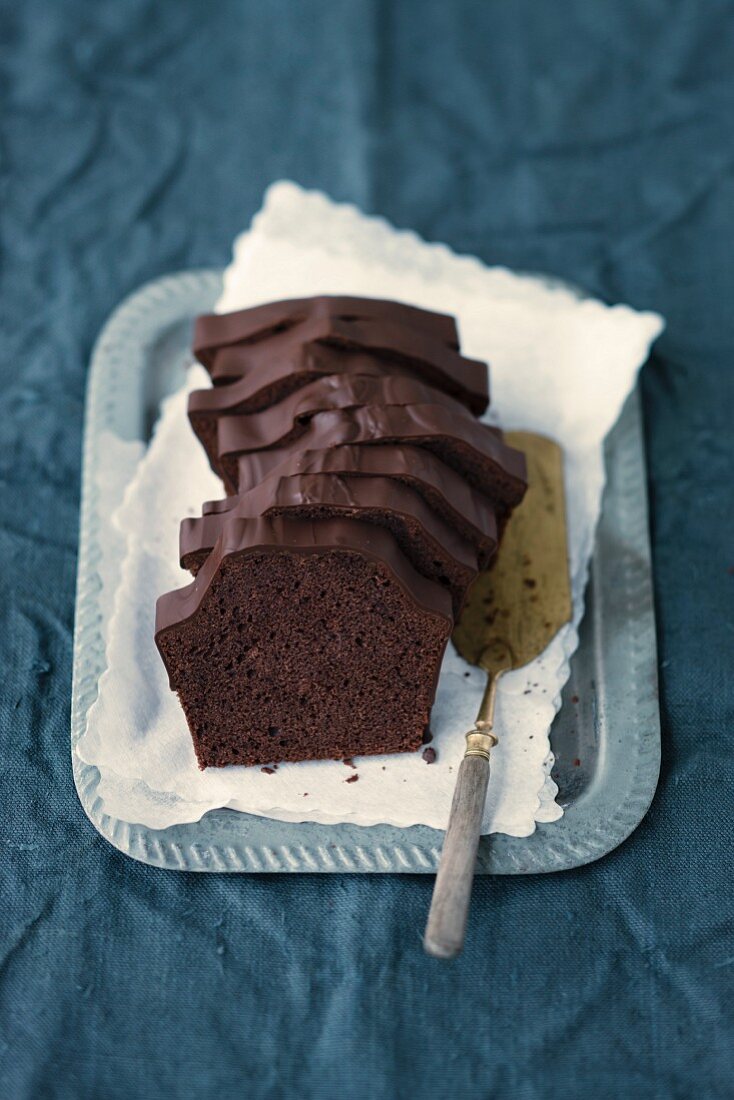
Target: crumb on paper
x=352, y=779
x=268, y=771
x=349, y=761
x=429, y=755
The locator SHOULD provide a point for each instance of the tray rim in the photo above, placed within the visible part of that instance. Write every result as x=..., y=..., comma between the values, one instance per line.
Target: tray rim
x=229, y=841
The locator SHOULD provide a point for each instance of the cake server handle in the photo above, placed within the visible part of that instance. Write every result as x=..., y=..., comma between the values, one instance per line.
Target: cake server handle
x=446, y=926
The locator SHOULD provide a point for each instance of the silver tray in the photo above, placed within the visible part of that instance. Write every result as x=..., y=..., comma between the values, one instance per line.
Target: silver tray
x=606, y=736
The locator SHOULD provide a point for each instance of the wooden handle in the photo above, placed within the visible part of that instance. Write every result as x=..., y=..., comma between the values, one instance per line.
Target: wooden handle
x=444, y=935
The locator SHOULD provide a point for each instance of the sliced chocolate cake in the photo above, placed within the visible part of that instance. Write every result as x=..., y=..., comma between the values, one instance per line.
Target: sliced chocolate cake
x=465, y=510
x=403, y=347
x=262, y=384
x=365, y=496
x=287, y=419
x=214, y=331
x=473, y=449
x=432, y=547
x=303, y=641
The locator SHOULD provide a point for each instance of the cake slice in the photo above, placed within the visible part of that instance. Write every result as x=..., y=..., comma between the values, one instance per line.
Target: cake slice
x=400, y=346
x=473, y=449
x=214, y=331
x=433, y=548
x=462, y=508
x=289, y=418
x=259, y=384
x=304, y=641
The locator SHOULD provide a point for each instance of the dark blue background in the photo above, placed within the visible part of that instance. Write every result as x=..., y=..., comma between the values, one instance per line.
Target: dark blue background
x=589, y=139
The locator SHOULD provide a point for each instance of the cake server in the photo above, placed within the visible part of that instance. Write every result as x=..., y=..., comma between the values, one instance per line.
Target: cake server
x=512, y=612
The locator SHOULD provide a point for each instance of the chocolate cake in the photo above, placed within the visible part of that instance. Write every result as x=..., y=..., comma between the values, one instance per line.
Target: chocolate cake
x=300, y=640
x=460, y=506
x=264, y=385
x=473, y=449
x=364, y=497
x=214, y=331
x=432, y=547
x=288, y=419
x=403, y=339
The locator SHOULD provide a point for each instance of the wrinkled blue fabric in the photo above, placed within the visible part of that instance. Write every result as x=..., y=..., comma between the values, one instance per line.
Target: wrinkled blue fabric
x=593, y=140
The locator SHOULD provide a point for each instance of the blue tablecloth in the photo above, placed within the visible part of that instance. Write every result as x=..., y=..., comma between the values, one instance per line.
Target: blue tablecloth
x=593, y=140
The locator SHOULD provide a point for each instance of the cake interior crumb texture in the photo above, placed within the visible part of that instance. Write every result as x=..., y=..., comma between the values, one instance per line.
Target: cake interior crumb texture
x=294, y=656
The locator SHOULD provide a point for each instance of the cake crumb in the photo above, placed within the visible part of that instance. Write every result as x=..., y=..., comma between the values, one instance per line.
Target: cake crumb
x=429, y=755
x=268, y=771
x=352, y=779
x=348, y=760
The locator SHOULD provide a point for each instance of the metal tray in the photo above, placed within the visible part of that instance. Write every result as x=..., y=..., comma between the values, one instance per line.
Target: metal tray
x=606, y=736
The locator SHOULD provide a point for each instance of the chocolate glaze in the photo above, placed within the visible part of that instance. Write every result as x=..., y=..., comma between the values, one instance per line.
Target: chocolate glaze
x=468, y=446
x=408, y=348
x=280, y=535
x=213, y=331
x=443, y=489
x=289, y=419
x=433, y=548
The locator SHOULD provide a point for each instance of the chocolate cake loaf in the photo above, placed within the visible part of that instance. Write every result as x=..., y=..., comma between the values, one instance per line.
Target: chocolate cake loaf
x=364, y=498
x=300, y=640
